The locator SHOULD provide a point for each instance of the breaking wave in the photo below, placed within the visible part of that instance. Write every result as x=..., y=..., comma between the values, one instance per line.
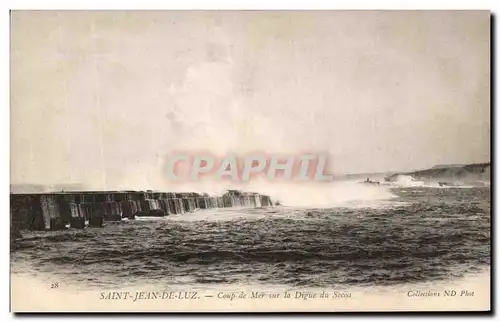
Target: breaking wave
x=305, y=194
x=334, y=194
x=409, y=181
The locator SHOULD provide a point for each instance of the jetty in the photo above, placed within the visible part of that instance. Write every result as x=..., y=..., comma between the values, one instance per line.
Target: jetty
x=80, y=209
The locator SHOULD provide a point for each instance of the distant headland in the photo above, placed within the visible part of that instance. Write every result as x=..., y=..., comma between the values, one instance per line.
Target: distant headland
x=450, y=174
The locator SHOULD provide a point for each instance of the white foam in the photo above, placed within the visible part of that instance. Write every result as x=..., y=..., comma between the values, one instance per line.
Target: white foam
x=334, y=194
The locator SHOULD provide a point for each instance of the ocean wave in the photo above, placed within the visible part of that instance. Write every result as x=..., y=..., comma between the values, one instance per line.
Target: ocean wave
x=427, y=234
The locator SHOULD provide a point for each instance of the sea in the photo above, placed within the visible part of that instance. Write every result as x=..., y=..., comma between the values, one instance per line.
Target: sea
x=411, y=235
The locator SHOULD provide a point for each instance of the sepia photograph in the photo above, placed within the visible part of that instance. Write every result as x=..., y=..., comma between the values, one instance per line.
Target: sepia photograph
x=250, y=160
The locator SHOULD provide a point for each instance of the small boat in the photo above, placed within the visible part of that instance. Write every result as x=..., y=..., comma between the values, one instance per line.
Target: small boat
x=447, y=184
x=368, y=181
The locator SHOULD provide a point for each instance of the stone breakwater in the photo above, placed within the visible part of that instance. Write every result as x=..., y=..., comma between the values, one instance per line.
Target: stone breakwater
x=54, y=211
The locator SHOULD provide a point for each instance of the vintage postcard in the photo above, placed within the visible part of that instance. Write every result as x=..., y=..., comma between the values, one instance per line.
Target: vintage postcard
x=250, y=161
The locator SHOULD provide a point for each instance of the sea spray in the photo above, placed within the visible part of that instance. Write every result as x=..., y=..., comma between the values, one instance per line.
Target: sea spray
x=331, y=194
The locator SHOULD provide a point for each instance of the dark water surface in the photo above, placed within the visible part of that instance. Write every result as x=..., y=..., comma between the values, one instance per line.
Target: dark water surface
x=438, y=234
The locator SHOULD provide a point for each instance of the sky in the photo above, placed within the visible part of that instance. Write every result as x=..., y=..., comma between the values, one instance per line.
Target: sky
x=101, y=98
